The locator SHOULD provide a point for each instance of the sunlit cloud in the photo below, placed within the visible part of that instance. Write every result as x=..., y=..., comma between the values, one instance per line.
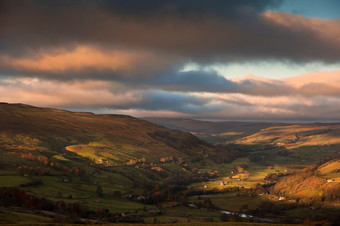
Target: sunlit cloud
x=82, y=59
x=114, y=97
x=87, y=94
x=216, y=59
x=324, y=29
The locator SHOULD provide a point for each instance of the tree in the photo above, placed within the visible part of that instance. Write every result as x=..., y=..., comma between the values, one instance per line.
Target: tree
x=99, y=191
x=225, y=217
x=117, y=194
x=244, y=208
x=208, y=204
x=59, y=194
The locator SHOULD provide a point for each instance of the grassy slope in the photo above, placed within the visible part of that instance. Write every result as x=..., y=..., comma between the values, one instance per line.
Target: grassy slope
x=313, y=183
x=254, y=174
x=296, y=144
x=330, y=170
x=294, y=136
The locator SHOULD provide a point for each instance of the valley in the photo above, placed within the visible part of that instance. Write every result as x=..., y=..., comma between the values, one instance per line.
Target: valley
x=75, y=167
x=169, y=112
x=214, y=131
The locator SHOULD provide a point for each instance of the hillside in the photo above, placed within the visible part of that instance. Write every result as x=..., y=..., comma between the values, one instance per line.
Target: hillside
x=293, y=136
x=214, y=132
x=298, y=144
x=318, y=184
x=113, y=139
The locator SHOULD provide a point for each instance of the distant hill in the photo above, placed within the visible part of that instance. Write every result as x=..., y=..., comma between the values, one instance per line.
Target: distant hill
x=293, y=136
x=113, y=139
x=214, y=132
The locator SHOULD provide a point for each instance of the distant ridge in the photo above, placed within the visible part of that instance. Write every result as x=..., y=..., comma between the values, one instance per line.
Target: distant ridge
x=214, y=132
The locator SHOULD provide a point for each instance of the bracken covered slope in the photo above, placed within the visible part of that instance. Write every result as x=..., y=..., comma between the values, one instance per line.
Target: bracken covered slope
x=108, y=138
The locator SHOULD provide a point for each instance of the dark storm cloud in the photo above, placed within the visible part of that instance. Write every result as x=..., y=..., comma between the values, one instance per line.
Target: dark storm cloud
x=192, y=81
x=211, y=81
x=202, y=31
x=180, y=102
x=160, y=100
x=128, y=55
x=183, y=8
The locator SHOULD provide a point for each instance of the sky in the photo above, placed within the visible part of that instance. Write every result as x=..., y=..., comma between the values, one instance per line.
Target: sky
x=219, y=60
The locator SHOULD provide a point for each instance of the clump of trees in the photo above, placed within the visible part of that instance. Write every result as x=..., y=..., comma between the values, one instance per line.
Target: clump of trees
x=273, y=177
x=48, y=164
x=69, y=212
x=99, y=191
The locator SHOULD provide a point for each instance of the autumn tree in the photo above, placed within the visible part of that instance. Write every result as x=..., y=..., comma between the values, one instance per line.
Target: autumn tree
x=99, y=190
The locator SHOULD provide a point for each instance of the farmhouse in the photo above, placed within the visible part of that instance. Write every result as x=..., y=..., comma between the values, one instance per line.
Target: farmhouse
x=66, y=179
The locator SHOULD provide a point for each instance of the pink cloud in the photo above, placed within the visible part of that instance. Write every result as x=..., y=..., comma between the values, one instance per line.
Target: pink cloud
x=78, y=94
x=325, y=83
x=83, y=58
x=325, y=29
x=111, y=97
x=149, y=113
